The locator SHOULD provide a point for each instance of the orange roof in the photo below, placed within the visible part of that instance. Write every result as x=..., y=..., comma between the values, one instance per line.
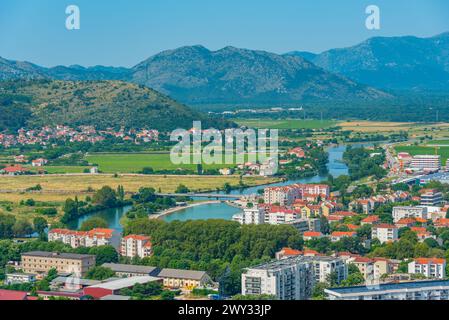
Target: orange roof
x=418, y=229
x=352, y=226
x=343, y=234
x=360, y=259
x=406, y=221
x=345, y=213
x=371, y=219
x=312, y=234
x=430, y=261
x=136, y=237
x=385, y=226
x=14, y=168
x=291, y=252
x=421, y=220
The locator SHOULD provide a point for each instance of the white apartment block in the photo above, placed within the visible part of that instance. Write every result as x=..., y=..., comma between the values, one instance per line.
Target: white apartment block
x=94, y=238
x=430, y=267
x=426, y=163
x=277, y=216
x=325, y=266
x=281, y=195
x=255, y=215
x=136, y=246
x=288, y=279
x=385, y=233
x=409, y=212
x=291, y=278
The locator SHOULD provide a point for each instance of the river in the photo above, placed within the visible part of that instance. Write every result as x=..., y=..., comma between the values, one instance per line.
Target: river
x=221, y=210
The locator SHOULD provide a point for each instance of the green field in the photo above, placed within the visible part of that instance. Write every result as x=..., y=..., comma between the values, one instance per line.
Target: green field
x=133, y=163
x=439, y=142
x=416, y=150
x=286, y=124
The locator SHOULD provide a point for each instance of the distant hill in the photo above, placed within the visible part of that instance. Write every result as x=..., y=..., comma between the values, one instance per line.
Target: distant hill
x=197, y=75
x=397, y=63
x=99, y=103
x=303, y=54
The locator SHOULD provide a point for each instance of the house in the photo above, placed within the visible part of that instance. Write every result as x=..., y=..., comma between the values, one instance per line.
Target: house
x=94, y=170
x=20, y=159
x=442, y=223
x=13, y=170
x=297, y=152
x=406, y=223
x=370, y=220
x=39, y=162
x=339, y=235
x=309, y=235
x=288, y=253
x=385, y=233
x=429, y=267
x=136, y=246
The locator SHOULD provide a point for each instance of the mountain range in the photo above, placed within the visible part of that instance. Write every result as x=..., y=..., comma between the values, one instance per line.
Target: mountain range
x=393, y=63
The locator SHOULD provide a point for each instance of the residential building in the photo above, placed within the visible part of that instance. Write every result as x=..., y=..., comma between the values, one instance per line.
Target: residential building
x=19, y=278
x=370, y=220
x=385, y=233
x=287, y=279
x=281, y=195
x=429, y=267
x=39, y=162
x=417, y=290
x=185, y=279
x=365, y=266
x=136, y=246
x=309, y=235
x=338, y=235
x=409, y=212
x=40, y=262
x=255, y=215
x=326, y=266
x=13, y=170
x=426, y=163
x=94, y=238
x=381, y=267
x=288, y=253
x=431, y=198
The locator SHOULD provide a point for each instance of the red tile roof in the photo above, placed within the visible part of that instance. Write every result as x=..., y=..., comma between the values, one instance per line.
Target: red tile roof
x=12, y=295
x=312, y=234
x=430, y=261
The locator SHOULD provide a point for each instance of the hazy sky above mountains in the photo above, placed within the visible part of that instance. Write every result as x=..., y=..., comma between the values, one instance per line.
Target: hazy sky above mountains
x=124, y=32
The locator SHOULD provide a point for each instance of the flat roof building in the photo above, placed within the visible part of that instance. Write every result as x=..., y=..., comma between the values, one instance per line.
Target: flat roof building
x=418, y=290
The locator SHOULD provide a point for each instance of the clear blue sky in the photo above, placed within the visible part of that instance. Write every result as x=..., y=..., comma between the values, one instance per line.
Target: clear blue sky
x=125, y=32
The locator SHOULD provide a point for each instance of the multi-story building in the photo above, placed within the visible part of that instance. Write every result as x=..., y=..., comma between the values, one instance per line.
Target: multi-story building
x=136, y=246
x=19, y=278
x=409, y=212
x=325, y=266
x=365, y=266
x=418, y=290
x=426, y=163
x=281, y=195
x=94, y=238
x=185, y=279
x=381, y=267
x=431, y=197
x=287, y=279
x=429, y=267
x=293, y=277
x=255, y=215
x=40, y=262
x=385, y=233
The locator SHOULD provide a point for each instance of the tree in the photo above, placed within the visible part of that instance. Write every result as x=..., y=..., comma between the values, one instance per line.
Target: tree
x=104, y=254
x=100, y=273
x=121, y=192
x=93, y=223
x=40, y=224
x=182, y=189
x=70, y=209
x=106, y=197
x=22, y=228
x=227, y=188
